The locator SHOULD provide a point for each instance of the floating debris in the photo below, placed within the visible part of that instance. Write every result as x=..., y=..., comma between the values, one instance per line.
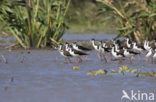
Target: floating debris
x=97, y=72
x=148, y=74
x=75, y=68
x=125, y=68
x=113, y=71
x=133, y=71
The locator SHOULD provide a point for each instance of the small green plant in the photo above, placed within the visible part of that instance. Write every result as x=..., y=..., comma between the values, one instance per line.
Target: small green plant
x=75, y=68
x=125, y=68
x=97, y=72
x=149, y=74
x=113, y=71
x=34, y=23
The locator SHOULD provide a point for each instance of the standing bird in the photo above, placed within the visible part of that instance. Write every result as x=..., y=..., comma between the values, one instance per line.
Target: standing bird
x=137, y=47
x=146, y=45
x=154, y=55
x=64, y=53
x=128, y=43
x=117, y=55
x=76, y=53
x=103, y=50
x=149, y=54
x=80, y=48
x=97, y=48
x=130, y=54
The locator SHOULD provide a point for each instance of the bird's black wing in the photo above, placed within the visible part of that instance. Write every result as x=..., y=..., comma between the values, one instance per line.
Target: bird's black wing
x=83, y=48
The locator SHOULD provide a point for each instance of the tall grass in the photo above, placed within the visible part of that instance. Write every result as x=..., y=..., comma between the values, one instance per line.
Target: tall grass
x=136, y=18
x=35, y=23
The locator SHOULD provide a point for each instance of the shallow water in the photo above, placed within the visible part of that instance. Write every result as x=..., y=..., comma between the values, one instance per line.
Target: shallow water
x=6, y=43
x=43, y=76
x=88, y=36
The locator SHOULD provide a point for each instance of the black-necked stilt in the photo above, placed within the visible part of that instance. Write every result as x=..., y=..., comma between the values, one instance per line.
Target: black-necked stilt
x=64, y=53
x=117, y=55
x=130, y=54
x=80, y=48
x=117, y=45
x=103, y=50
x=149, y=54
x=67, y=46
x=107, y=49
x=146, y=45
x=97, y=48
x=128, y=43
x=76, y=53
x=137, y=48
x=154, y=55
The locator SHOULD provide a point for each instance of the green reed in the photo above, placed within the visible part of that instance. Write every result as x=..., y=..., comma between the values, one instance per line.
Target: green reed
x=135, y=18
x=34, y=23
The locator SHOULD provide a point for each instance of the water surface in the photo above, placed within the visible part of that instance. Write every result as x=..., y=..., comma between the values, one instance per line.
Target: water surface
x=43, y=76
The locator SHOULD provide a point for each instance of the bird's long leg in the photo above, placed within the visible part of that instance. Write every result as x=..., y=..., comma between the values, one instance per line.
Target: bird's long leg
x=68, y=60
x=130, y=60
x=104, y=55
x=79, y=59
x=85, y=58
x=147, y=59
x=139, y=57
x=136, y=61
x=152, y=60
x=119, y=61
x=111, y=57
x=99, y=56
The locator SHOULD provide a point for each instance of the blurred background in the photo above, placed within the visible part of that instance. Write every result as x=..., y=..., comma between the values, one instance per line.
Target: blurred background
x=83, y=17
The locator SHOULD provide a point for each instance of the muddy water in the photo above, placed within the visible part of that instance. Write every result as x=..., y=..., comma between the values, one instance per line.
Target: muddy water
x=43, y=76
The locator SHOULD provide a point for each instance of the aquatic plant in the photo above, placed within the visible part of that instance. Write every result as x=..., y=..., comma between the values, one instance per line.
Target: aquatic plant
x=113, y=71
x=75, y=68
x=145, y=74
x=34, y=23
x=97, y=72
x=125, y=68
x=135, y=18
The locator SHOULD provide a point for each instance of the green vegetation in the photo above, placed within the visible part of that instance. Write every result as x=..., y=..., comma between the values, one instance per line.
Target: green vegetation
x=125, y=69
x=135, y=18
x=83, y=18
x=148, y=74
x=97, y=72
x=75, y=67
x=37, y=23
x=34, y=23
